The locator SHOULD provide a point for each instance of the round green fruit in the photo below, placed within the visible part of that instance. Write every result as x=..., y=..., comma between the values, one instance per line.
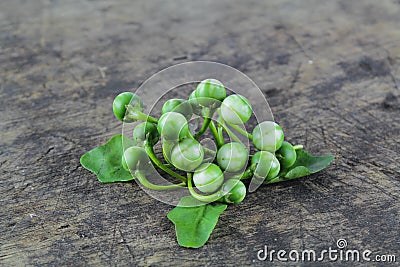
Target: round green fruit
x=208, y=177
x=187, y=155
x=236, y=109
x=268, y=136
x=136, y=159
x=234, y=191
x=124, y=99
x=178, y=105
x=267, y=165
x=288, y=155
x=146, y=132
x=173, y=126
x=210, y=92
x=232, y=157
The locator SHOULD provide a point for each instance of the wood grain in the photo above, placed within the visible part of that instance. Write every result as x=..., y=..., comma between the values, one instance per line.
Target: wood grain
x=331, y=74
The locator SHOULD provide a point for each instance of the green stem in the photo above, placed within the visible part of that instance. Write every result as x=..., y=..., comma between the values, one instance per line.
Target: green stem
x=248, y=173
x=203, y=127
x=221, y=135
x=219, y=141
x=229, y=132
x=142, y=117
x=209, y=151
x=204, y=198
x=142, y=179
x=221, y=123
x=150, y=152
x=208, y=160
x=138, y=115
x=241, y=131
x=298, y=147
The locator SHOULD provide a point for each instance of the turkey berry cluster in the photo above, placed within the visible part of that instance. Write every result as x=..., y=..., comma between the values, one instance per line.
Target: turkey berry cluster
x=211, y=175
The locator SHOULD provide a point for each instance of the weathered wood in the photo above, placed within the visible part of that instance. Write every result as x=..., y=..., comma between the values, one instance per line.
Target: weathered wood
x=331, y=72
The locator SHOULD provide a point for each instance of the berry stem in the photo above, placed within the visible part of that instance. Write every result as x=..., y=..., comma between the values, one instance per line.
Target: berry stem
x=218, y=138
x=241, y=131
x=150, y=152
x=248, y=173
x=204, y=127
x=208, y=160
x=133, y=113
x=229, y=132
x=142, y=179
x=209, y=151
x=221, y=135
x=298, y=147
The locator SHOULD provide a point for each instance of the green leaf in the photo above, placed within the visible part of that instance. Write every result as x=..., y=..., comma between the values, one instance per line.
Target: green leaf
x=297, y=172
x=305, y=164
x=193, y=225
x=105, y=161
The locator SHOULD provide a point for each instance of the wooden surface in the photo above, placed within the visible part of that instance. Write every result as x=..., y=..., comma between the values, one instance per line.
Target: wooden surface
x=331, y=74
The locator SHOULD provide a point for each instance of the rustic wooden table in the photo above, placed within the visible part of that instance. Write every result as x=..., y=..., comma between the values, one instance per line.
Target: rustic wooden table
x=331, y=74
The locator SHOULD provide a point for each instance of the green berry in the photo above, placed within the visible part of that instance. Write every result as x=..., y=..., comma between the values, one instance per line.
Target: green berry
x=187, y=154
x=167, y=147
x=196, y=108
x=234, y=191
x=173, y=126
x=268, y=136
x=178, y=105
x=146, y=132
x=236, y=109
x=232, y=157
x=210, y=92
x=208, y=178
x=288, y=154
x=136, y=159
x=267, y=165
x=123, y=99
